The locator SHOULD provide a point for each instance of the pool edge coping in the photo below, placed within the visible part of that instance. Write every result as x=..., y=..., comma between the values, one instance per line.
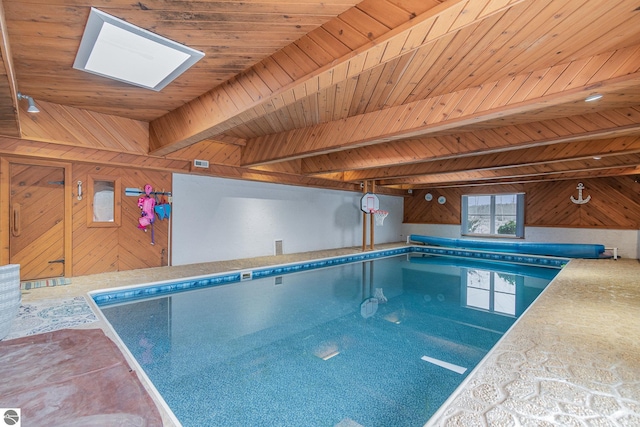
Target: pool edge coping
x=122, y=294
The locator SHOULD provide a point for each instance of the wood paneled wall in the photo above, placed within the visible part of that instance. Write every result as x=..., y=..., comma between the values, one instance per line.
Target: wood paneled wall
x=419, y=211
x=104, y=249
x=615, y=203
x=66, y=125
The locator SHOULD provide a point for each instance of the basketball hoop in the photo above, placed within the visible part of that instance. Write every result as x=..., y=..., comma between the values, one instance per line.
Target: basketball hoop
x=379, y=215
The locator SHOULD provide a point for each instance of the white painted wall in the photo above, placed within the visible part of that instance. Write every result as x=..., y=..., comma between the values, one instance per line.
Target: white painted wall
x=216, y=219
x=437, y=230
x=627, y=241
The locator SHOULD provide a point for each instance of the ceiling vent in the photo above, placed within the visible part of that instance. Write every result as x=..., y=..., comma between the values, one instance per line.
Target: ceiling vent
x=201, y=163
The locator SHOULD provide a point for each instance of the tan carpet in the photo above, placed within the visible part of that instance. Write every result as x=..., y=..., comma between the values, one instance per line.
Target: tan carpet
x=72, y=377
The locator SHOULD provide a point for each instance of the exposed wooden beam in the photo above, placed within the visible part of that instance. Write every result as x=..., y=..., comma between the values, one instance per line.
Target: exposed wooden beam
x=507, y=173
x=246, y=96
x=42, y=150
x=619, y=122
x=463, y=108
x=8, y=86
x=575, y=175
x=285, y=178
x=577, y=150
x=227, y=139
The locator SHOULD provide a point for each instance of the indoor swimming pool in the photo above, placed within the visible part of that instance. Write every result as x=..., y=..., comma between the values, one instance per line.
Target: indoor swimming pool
x=381, y=342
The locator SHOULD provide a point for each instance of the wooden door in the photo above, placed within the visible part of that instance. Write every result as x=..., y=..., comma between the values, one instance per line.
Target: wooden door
x=36, y=217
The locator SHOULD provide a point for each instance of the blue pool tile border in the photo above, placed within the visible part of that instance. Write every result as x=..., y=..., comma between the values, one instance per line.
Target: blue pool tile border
x=118, y=296
x=533, y=260
x=326, y=262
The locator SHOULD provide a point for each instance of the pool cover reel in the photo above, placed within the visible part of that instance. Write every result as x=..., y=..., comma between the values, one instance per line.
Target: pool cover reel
x=568, y=250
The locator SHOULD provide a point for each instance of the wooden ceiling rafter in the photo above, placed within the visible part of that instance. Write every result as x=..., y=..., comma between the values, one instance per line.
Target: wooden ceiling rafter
x=460, y=109
x=579, y=150
x=520, y=172
x=210, y=113
x=563, y=176
x=9, y=119
x=619, y=122
x=17, y=148
x=450, y=60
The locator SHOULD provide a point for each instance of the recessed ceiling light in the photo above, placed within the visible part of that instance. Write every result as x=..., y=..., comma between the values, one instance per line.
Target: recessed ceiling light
x=596, y=157
x=115, y=49
x=593, y=97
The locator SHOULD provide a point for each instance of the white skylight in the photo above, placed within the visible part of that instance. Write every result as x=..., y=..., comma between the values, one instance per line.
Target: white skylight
x=118, y=50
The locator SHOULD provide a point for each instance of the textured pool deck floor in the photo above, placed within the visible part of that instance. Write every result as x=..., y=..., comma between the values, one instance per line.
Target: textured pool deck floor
x=573, y=359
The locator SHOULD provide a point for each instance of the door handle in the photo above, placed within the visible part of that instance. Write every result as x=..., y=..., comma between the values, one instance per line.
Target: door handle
x=15, y=219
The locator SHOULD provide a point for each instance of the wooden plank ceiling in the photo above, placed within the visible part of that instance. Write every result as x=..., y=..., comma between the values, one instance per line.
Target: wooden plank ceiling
x=409, y=93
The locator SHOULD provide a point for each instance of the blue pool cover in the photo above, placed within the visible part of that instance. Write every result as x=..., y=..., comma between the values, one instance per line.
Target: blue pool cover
x=567, y=250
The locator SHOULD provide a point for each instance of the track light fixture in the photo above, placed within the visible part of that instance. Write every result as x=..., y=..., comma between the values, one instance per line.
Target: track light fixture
x=32, y=104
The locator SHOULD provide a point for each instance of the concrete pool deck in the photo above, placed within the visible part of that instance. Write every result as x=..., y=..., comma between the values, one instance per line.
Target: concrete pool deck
x=571, y=359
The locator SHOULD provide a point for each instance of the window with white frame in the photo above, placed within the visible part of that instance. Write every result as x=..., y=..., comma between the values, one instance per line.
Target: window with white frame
x=500, y=215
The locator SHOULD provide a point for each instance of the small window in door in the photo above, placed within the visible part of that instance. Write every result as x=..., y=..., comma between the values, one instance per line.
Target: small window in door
x=103, y=209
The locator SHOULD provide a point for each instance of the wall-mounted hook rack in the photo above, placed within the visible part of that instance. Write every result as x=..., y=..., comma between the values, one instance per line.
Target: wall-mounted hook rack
x=138, y=192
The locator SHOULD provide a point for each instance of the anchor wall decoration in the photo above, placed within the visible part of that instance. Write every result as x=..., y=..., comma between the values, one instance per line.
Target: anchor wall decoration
x=580, y=200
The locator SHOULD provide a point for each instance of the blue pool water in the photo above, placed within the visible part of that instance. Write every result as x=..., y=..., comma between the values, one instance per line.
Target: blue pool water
x=356, y=343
